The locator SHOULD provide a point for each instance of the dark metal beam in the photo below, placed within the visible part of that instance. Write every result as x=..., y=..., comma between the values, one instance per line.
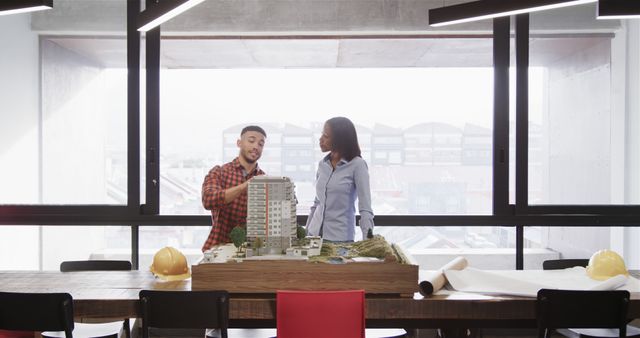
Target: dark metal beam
x=398, y=220
x=133, y=124
x=522, y=112
x=152, y=196
x=133, y=108
x=522, y=128
x=501, y=40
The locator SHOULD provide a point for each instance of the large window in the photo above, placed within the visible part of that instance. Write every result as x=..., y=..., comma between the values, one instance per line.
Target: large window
x=63, y=131
x=421, y=98
x=427, y=151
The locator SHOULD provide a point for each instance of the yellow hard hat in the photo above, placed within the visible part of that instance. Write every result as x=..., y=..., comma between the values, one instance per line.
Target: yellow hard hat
x=605, y=264
x=170, y=264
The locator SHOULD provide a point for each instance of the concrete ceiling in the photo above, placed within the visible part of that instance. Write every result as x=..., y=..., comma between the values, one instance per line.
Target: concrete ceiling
x=307, y=53
x=260, y=17
x=326, y=33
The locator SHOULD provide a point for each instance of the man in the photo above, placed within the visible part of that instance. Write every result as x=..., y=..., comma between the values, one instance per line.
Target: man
x=224, y=190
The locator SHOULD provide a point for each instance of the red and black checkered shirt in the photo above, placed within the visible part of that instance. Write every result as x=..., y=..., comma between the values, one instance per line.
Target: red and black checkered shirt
x=225, y=217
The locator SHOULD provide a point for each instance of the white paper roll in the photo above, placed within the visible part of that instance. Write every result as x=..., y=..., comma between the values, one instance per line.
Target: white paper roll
x=611, y=284
x=435, y=280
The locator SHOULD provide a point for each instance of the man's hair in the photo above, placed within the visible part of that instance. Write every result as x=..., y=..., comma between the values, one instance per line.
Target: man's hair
x=344, y=138
x=253, y=128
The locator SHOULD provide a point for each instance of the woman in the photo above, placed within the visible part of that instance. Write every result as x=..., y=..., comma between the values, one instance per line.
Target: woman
x=342, y=177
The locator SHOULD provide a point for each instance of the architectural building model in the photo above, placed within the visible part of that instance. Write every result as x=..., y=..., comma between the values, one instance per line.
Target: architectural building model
x=271, y=213
x=312, y=247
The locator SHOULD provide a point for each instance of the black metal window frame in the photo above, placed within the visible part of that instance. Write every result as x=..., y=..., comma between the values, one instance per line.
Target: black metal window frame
x=518, y=215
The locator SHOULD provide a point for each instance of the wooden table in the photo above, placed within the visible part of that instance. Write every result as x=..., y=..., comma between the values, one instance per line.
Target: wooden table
x=114, y=294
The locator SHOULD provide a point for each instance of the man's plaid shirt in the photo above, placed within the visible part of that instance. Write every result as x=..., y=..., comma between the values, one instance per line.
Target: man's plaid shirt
x=225, y=217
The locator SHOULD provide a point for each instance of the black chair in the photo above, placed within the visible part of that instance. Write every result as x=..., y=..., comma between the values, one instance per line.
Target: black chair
x=104, y=329
x=105, y=265
x=36, y=312
x=581, y=309
x=184, y=310
x=558, y=264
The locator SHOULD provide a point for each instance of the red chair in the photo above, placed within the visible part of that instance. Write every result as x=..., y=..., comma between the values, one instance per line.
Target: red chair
x=320, y=314
x=17, y=334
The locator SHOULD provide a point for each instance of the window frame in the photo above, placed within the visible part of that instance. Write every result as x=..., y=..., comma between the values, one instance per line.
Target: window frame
x=517, y=215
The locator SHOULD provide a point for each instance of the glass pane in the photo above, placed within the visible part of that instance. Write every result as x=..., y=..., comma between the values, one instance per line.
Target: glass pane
x=581, y=150
x=424, y=126
x=71, y=243
x=19, y=247
x=84, y=129
x=544, y=243
x=45, y=247
x=582, y=147
x=63, y=127
x=19, y=97
x=432, y=247
x=512, y=112
x=187, y=239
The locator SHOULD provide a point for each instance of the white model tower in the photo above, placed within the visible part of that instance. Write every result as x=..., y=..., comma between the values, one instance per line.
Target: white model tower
x=271, y=212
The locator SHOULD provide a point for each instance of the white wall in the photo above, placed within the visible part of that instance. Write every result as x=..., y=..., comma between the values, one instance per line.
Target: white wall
x=632, y=171
x=19, y=102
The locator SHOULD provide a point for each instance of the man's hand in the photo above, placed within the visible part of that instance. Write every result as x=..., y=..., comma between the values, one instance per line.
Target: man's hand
x=234, y=192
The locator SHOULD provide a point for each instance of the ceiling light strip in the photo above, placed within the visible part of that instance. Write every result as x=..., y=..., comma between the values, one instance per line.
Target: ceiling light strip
x=489, y=9
x=162, y=12
x=8, y=7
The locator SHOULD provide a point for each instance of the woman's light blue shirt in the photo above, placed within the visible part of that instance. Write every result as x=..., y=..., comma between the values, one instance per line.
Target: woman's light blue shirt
x=332, y=215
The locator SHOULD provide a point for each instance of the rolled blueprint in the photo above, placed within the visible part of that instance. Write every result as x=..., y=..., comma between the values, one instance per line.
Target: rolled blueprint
x=435, y=280
x=612, y=283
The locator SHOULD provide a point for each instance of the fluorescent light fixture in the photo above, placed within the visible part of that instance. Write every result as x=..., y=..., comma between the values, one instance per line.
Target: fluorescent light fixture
x=489, y=9
x=24, y=6
x=618, y=9
x=162, y=12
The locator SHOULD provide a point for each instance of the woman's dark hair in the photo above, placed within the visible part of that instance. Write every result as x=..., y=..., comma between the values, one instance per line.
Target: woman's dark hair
x=344, y=138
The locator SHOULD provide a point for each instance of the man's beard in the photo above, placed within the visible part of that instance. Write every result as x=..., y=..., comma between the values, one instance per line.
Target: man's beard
x=250, y=160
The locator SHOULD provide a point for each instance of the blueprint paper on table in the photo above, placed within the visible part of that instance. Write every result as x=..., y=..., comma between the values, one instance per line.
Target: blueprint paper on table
x=527, y=282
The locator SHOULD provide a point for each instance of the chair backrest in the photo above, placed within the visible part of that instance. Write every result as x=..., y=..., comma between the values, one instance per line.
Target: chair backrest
x=557, y=264
x=95, y=265
x=581, y=309
x=320, y=314
x=36, y=312
x=184, y=310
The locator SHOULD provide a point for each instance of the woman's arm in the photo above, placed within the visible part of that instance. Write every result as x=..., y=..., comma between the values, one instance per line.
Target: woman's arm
x=312, y=210
x=363, y=190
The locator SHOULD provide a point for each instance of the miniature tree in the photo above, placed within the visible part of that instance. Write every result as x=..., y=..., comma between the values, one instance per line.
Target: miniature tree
x=301, y=233
x=257, y=244
x=238, y=237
